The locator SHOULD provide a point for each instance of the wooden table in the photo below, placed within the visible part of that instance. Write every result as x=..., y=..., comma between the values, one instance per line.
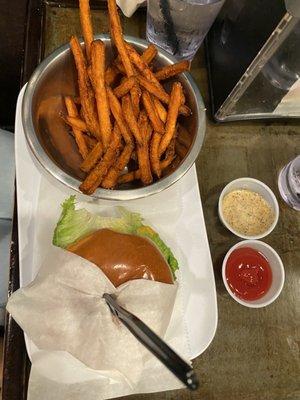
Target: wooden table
x=255, y=353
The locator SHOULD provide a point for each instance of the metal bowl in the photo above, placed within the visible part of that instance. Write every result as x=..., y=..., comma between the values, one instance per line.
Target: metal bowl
x=55, y=149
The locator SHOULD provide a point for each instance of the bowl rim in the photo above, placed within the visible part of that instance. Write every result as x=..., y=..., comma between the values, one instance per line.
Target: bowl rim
x=275, y=206
x=248, y=303
x=106, y=194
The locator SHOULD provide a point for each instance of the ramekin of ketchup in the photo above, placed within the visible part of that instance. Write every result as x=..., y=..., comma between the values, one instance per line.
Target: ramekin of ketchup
x=253, y=273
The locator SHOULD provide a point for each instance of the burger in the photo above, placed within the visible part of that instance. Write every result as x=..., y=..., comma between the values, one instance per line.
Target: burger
x=122, y=246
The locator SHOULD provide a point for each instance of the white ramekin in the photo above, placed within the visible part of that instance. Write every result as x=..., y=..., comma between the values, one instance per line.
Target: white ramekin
x=255, y=186
x=277, y=273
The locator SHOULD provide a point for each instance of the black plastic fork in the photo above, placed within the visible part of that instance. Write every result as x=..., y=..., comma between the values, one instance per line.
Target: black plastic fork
x=183, y=371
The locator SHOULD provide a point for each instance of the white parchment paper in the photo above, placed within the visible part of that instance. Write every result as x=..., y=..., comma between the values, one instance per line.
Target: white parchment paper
x=129, y=7
x=83, y=349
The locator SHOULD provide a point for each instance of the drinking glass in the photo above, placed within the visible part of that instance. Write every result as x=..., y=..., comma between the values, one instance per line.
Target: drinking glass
x=180, y=26
x=289, y=183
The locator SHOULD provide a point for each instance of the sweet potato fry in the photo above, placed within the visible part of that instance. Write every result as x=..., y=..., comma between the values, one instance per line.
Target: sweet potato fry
x=111, y=75
x=143, y=123
x=160, y=94
x=181, y=150
x=111, y=179
x=173, y=110
x=167, y=161
x=144, y=69
x=154, y=154
x=129, y=177
x=174, y=164
x=161, y=111
x=92, y=158
x=90, y=141
x=76, y=100
x=153, y=89
x=172, y=70
x=117, y=63
x=78, y=135
x=81, y=113
x=157, y=124
x=118, y=115
x=86, y=25
x=93, y=180
x=149, y=54
x=170, y=152
x=143, y=151
x=135, y=175
x=169, y=156
x=85, y=89
x=135, y=90
x=141, y=65
x=116, y=33
x=130, y=119
x=124, y=87
x=134, y=156
x=120, y=67
x=98, y=74
x=76, y=122
x=183, y=136
x=143, y=120
x=136, y=93
x=149, y=132
x=89, y=72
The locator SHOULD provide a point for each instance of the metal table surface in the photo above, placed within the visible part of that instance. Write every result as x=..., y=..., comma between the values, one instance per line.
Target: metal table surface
x=255, y=353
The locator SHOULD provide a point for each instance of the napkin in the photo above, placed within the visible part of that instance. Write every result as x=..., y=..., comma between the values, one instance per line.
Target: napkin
x=129, y=7
x=83, y=348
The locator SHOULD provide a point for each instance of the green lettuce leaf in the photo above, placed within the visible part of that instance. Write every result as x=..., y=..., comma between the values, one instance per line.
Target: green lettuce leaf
x=74, y=224
x=148, y=232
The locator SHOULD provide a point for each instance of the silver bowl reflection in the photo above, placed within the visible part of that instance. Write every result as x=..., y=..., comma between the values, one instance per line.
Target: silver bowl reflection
x=55, y=149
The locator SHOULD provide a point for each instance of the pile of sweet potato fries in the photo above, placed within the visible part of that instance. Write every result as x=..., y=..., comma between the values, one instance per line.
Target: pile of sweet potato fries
x=123, y=114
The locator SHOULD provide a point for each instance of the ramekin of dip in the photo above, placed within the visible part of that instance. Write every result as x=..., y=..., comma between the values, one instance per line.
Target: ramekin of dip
x=248, y=208
x=253, y=273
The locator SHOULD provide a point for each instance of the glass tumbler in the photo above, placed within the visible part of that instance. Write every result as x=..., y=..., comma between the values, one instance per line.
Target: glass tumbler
x=180, y=26
x=289, y=183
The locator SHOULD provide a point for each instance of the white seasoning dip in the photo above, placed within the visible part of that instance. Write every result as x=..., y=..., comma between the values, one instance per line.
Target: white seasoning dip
x=247, y=212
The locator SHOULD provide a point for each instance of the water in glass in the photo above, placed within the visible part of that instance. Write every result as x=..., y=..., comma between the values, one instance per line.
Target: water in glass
x=179, y=26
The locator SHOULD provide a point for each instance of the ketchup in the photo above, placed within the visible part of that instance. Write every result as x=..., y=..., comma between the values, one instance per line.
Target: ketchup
x=248, y=273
